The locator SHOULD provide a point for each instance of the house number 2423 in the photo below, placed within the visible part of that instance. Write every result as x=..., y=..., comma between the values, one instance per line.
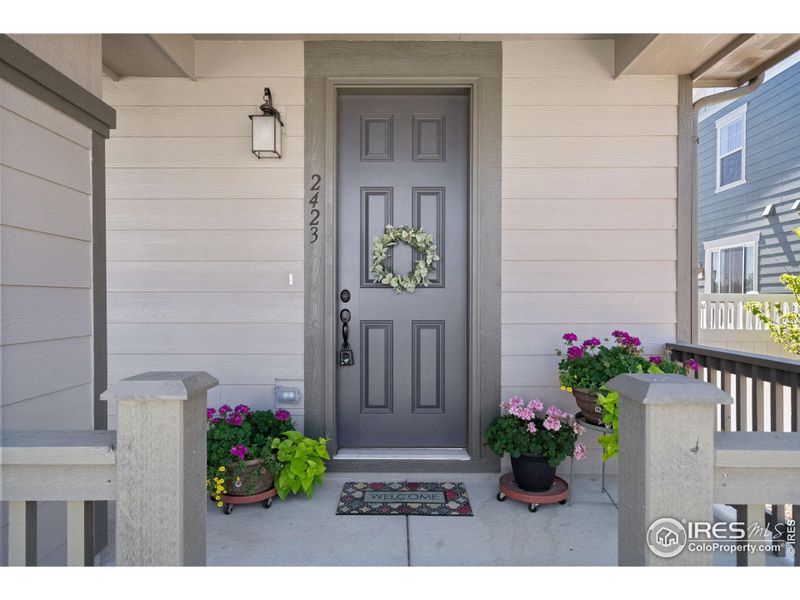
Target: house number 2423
x=313, y=223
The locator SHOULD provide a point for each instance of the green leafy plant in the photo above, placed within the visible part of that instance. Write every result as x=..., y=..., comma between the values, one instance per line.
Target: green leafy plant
x=238, y=434
x=553, y=434
x=784, y=327
x=303, y=463
x=609, y=401
x=609, y=442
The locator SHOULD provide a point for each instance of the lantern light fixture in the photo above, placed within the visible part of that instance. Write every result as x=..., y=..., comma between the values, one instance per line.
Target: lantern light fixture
x=266, y=129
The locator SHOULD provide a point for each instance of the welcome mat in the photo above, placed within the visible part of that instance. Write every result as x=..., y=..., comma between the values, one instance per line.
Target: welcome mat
x=416, y=498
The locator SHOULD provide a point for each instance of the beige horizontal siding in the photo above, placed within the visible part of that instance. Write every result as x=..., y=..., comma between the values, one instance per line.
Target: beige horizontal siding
x=36, y=150
x=582, y=121
x=589, y=207
x=594, y=307
x=198, y=121
x=67, y=409
x=203, y=237
x=44, y=259
x=568, y=182
x=198, y=152
x=46, y=329
x=589, y=245
x=245, y=369
x=45, y=367
x=30, y=202
x=180, y=276
x=211, y=338
x=221, y=245
x=591, y=152
x=564, y=89
x=221, y=91
x=604, y=276
x=35, y=314
x=578, y=59
x=23, y=104
x=206, y=183
x=206, y=307
x=589, y=213
x=203, y=213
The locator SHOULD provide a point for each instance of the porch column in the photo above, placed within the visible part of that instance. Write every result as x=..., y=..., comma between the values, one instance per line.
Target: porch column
x=666, y=465
x=161, y=464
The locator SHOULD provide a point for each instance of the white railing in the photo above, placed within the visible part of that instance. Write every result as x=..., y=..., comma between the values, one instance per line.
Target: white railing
x=153, y=466
x=724, y=322
x=727, y=312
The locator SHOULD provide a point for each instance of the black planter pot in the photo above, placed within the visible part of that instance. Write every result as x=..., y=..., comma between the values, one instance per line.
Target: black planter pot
x=533, y=473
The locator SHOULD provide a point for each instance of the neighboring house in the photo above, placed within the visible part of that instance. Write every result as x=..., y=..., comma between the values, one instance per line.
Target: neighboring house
x=749, y=187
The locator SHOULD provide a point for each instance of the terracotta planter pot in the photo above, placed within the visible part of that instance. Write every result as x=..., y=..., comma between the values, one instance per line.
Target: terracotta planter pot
x=587, y=402
x=533, y=473
x=254, y=479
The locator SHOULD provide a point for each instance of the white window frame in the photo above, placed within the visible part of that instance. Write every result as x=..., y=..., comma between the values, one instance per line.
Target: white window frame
x=734, y=241
x=734, y=115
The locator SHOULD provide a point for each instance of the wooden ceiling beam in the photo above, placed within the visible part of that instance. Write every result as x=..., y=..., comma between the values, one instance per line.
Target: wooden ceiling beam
x=770, y=62
x=179, y=48
x=629, y=47
x=729, y=49
x=110, y=73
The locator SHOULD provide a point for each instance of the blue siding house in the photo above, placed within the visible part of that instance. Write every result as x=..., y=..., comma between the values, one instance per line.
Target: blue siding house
x=749, y=187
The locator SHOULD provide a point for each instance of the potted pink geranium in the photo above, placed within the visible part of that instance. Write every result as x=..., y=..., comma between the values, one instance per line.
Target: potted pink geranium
x=537, y=440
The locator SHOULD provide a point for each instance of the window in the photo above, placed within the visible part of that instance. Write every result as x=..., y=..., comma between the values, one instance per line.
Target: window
x=730, y=149
x=731, y=265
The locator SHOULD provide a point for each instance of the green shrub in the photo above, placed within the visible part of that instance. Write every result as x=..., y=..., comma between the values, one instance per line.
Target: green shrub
x=304, y=463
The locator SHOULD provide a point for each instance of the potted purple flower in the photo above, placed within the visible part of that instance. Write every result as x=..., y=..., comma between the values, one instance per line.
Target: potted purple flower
x=537, y=440
x=240, y=457
x=586, y=366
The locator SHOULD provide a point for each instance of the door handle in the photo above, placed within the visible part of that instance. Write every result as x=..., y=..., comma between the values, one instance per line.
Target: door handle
x=346, y=358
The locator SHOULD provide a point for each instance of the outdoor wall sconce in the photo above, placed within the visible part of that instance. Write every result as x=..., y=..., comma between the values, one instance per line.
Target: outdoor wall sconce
x=267, y=128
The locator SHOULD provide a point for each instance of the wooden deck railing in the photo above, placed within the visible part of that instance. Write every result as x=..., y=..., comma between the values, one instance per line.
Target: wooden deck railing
x=72, y=466
x=674, y=461
x=153, y=466
x=764, y=388
x=764, y=391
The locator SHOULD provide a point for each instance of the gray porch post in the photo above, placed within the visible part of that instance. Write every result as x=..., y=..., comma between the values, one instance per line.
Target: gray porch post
x=666, y=461
x=161, y=465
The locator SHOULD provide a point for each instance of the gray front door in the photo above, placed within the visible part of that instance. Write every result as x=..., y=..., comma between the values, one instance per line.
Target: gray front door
x=403, y=159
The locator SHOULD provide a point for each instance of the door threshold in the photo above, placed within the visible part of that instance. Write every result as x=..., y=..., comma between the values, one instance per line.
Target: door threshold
x=402, y=454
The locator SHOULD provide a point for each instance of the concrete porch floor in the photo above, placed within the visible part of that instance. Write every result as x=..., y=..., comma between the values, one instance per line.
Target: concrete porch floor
x=308, y=532
x=302, y=532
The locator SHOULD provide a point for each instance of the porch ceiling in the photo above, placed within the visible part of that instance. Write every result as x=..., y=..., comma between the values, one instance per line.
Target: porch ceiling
x=714, y=60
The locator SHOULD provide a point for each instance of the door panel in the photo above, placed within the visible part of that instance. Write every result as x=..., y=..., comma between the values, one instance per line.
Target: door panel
x=403, y=159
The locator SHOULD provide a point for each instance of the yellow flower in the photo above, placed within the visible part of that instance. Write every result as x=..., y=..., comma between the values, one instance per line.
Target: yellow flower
x=222, y=469
x=237, y=479
x=563, y=387
x=219, y=503
x=216, y=497
x=569, y=389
